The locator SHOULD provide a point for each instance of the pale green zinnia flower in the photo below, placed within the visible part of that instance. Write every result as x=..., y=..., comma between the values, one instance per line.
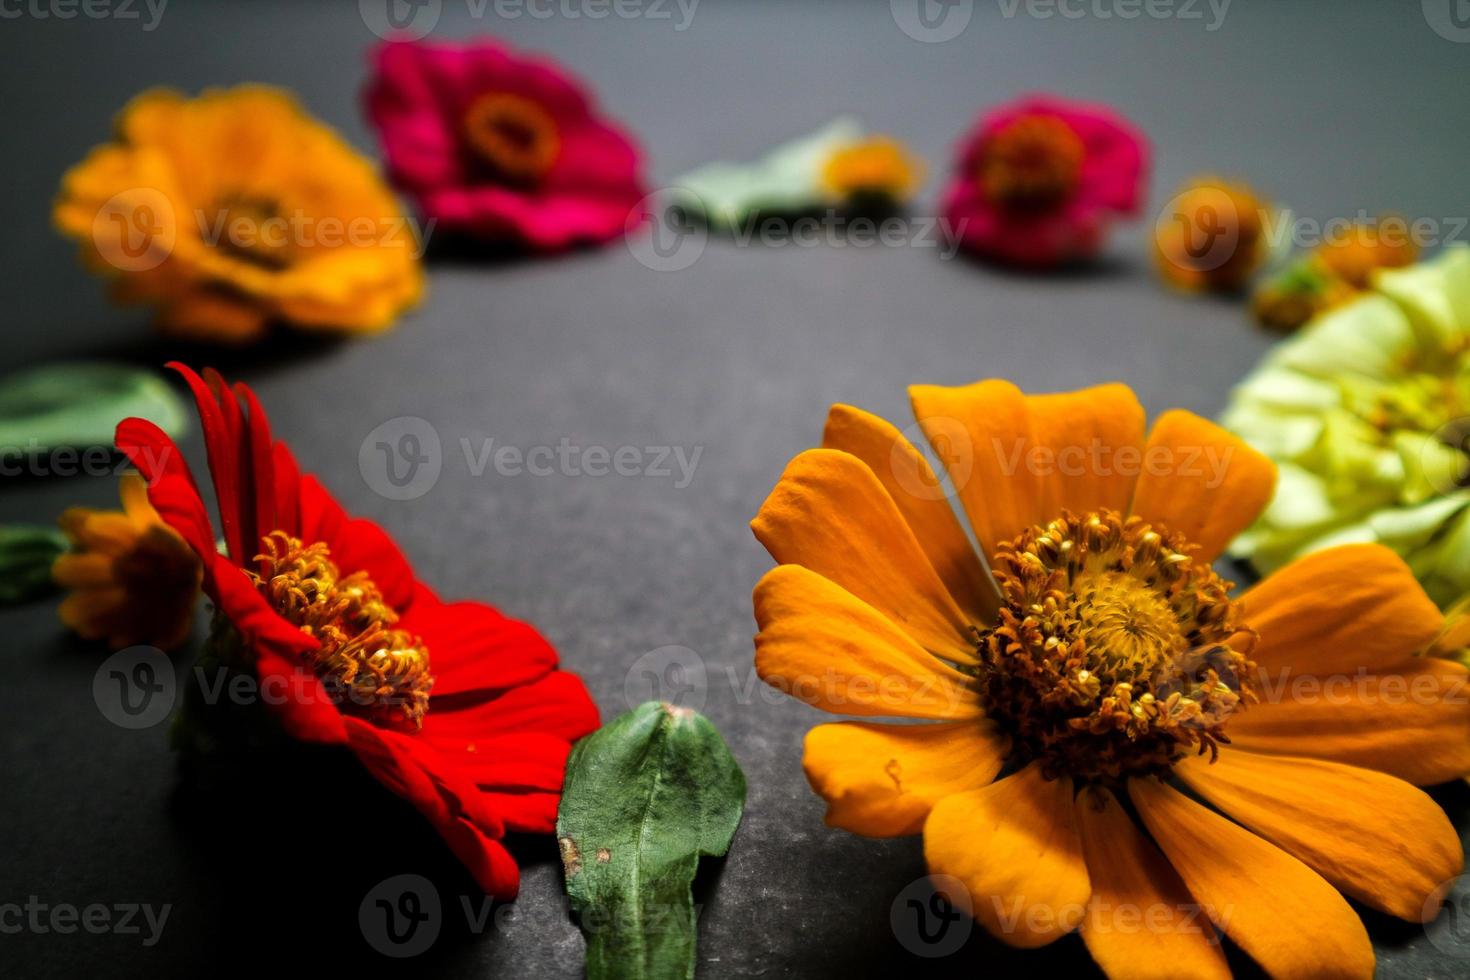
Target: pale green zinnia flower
x=1366, y=412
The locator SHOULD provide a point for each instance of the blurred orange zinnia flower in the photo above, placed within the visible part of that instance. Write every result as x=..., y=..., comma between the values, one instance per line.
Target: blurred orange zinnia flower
x=236, y=209
x=1097, y=667
x=133, y=579
x=1214, y=237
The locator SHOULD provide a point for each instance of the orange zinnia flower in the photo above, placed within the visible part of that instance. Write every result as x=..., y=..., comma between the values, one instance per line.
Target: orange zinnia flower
x=237, y=209
x=133, y=580
x=1103, y=666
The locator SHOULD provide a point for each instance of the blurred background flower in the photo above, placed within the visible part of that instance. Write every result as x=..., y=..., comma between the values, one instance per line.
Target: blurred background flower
x=236, y=209
x=1213, y=236
x=1367, y=413
x=837, y=166
x=1037, y=181
x=500, y=146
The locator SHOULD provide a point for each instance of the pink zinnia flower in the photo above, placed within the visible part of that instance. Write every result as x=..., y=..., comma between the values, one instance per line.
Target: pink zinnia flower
x=501, y=147
x=1037, y=180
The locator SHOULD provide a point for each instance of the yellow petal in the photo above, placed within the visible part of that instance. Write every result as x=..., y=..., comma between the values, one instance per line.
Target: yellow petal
x=1413, y=723
x=1142, y=923
x=830, y=513
x=920, y=497
x=1202, y=481
x=80, y=571
x=1015, y=847
x=133, y=490
x=1016, y=460
x=1375, y=837
x=882, y=780
x=821, y=644
x=1281, y=912
x=1337, y=611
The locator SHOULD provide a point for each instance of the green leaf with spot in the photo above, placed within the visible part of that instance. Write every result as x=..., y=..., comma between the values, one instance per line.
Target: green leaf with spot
x=79, y=404
x=646, y=796
x=26, y=554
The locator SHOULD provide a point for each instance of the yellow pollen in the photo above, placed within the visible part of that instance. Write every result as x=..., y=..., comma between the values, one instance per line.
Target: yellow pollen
x=878, y=166
x=513, y=134
x=377, y=670
x=1032, y=163
x=1115, y=652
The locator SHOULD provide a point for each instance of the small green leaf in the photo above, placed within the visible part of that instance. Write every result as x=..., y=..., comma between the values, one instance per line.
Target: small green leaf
x=646, y=796
x=79, y=404
x=26, y=554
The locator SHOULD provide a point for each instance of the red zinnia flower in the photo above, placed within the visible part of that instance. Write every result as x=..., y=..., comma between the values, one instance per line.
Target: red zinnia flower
x=1037, y=181
x=347, y=642
x=501, y=146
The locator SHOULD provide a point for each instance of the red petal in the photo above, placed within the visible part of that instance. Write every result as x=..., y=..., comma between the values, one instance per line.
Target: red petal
x=557, y=704
x=473, y=648
x=298, y=700
x=456, y=810
x=288, y=490
x=526, y=813
x=258, y=442
x=171, y=487
x=223, y=448
x=522, y=761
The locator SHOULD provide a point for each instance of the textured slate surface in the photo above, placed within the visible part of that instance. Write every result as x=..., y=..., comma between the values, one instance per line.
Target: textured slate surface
x=1332, y=107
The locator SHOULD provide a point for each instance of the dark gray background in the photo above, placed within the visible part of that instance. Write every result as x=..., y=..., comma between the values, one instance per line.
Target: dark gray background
x=1331, y=107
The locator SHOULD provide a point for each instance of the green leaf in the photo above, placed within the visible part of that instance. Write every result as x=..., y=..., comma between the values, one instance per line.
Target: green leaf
x=646, y=796
x=26, y=554
x=79, y=404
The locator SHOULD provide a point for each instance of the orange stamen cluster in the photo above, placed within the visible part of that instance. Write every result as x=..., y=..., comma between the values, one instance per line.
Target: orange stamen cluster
x=1032, y=163
x=379, y=671
x=1111, y=656
x=513, y=134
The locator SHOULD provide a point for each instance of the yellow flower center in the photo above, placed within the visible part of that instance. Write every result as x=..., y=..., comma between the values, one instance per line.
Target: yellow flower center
x=873, y=167
x=513, y=134
x=374, y=669
x=253, y=230
x=1032, y=163
x=1110, y=657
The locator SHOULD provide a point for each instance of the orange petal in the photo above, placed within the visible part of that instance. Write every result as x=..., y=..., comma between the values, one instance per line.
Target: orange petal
x=1142, y=923
x=830, y=513
x=79, y=571
x=1281, y=912
x=133, y=490
x=1337, y=611
x=821, y=644
x=921, y=498
x=1014, y=845
x=1201, y=481
x=1375, y=837
x=882, y=780
x=1016, y=460
x=1413, y=723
